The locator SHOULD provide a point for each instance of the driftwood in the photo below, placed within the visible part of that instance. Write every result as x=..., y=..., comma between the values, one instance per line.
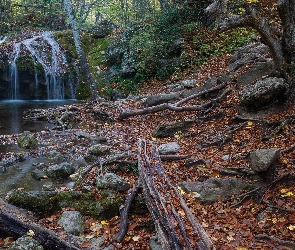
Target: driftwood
x=17, y=222
x=176, y=106
x=176, y=226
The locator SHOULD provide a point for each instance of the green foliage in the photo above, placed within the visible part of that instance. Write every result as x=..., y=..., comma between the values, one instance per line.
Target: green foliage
x=207, y=43
x=83, y=92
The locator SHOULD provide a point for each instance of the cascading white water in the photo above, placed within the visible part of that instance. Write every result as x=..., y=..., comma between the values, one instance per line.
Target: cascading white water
x=46, y=51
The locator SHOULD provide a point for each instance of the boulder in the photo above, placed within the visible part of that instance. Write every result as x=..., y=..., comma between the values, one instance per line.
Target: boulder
x=27, y=140
x=60, y=171
x=55, y=155
x=189, y=83
x=169, y=148
x=262, y=92
x=38, y=174
x=256, y=72
x=50, y=202
x=25, y=243
x=99, y=150
x=209, y=191
x=161, y=98
x=262, y=159
x=112, y=181
x=72, y=222
x=128, y=64
x=169, y=130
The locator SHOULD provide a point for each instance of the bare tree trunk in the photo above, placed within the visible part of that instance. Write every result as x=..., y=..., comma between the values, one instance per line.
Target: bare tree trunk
x=286, y=10
x=81, y=55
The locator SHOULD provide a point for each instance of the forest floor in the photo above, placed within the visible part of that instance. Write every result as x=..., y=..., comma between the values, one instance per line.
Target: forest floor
x=230, y=224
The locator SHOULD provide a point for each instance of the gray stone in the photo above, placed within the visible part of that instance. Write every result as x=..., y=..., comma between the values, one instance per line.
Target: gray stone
x=128, y=64
x=72, y=222
x=25, y=243
x=257, y=71
x=38, y=174
x=55, y=155
x=262, y=92
x=209, y=191
x=262, y=159
x=169, y=148
x=159, y=99
x=189, y=83
x=27, y=140
x=99, y=150
x=62, y=170
x=112, y=181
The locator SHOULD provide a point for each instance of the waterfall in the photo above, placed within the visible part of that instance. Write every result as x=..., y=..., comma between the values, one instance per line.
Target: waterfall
x=44, y=50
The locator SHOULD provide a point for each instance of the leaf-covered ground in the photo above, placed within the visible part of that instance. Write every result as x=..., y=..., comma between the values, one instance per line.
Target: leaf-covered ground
x=234, y=224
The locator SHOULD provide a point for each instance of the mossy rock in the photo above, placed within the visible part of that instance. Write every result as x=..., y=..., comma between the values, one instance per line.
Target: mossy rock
x=27, y=140
x=50, y=202
x=39, y=202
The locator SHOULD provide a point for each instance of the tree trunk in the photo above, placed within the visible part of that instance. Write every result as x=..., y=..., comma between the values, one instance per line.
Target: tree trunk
x=81, y=55
x=286, y=10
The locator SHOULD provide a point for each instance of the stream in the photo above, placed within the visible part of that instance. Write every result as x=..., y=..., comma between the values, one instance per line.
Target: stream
x=11, y=122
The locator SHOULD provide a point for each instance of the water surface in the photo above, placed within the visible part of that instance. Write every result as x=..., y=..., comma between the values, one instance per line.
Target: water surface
x=11, y=115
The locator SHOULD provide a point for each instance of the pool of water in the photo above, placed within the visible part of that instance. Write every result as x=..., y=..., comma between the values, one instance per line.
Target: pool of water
x=11, y=115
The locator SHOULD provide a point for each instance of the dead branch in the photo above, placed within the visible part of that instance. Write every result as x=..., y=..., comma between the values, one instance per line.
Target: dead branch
x=286, y=243
x=260, y=191
x=124, y=212
x=176, y=106
x=15, y=222
x=226, y=138
x=176, y=226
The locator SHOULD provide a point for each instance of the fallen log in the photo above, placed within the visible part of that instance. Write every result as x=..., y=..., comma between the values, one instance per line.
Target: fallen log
x=176, y=106
x=15, y=222
x=176, y=226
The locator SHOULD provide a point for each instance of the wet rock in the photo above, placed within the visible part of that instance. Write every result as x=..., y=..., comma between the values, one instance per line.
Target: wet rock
x=112, y=181
x=209, y=191
x=60, y=171
x=38, y=174
x=169, y=148
x=159, y=99
x=72, y=222
x=27, y=140
x=55, y=156
x=25, y=243
x=169, y=130
x=262, y=159
x=99, y=150
x=262, y=92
